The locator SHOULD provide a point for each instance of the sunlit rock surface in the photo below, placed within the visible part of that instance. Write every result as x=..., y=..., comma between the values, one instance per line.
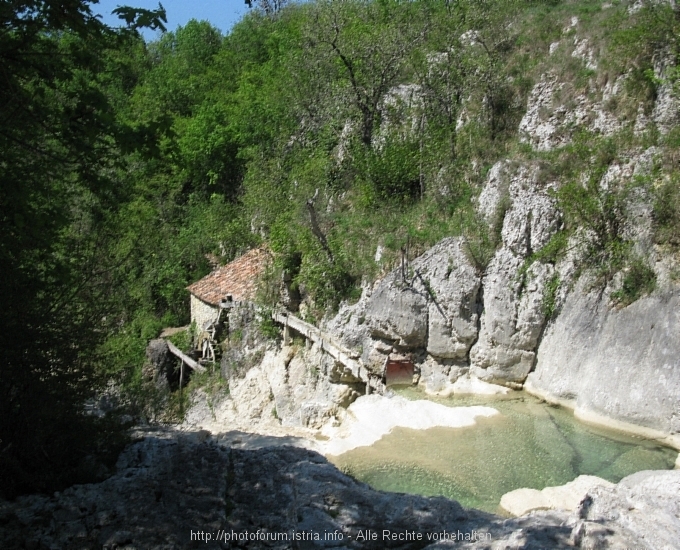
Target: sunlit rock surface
x=513, y=317
x=621, y=364
x=372, y=416
x=563, y=497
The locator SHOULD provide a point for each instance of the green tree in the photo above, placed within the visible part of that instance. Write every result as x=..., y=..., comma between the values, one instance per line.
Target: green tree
x=60, y=142
x=365, y=46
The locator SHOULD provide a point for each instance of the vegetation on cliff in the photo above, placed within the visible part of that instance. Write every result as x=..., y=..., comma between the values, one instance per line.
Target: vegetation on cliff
x=326, y=129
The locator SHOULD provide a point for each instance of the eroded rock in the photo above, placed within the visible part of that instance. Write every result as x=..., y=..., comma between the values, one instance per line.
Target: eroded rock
x=430, y=305
x=176, y=491
x=514, y=316
x=620, y=364
x=563, y=497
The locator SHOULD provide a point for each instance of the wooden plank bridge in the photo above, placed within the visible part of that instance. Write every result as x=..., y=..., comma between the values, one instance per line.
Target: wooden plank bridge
x=346, y=357
x=349, y=359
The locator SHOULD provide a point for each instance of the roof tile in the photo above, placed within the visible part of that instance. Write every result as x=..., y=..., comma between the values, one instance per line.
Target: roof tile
x=238, y=278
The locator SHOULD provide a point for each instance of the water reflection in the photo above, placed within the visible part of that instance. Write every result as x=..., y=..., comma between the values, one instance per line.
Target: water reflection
x=529, y=444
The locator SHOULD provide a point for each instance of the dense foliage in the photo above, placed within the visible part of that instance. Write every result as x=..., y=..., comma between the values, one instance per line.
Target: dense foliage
x=61, y=145
x=326, y=129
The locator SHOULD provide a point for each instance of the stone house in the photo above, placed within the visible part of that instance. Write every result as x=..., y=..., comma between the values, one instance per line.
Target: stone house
x=230, y=284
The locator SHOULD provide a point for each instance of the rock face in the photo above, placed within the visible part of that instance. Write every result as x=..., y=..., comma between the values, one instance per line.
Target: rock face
x=643, y=507
x=164, y=488
x=429, y=306
x=176, y=491
x=456, y=324
x=292, y=386
x=513, y=317
x=161, y=365
x=309, y=388
x=620, y=364
x=453, y=310
x=398, y=313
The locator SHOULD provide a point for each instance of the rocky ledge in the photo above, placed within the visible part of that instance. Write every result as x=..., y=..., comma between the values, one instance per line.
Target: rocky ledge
x=187, y=490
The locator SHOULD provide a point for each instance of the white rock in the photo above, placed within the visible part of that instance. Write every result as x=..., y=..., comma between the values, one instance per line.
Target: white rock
x=532, y=128
x=378, y=253
x=645, y=503
x=371, y=417
x=512, y=320
x=615, y=363
x=495, y=188
x=563, y=497
x=666, y=106
x=522, y=501
x=431, y=305
x=251, y=394
x=585, y=52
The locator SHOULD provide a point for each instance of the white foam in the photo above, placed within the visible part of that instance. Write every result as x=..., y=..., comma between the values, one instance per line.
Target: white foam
x=372, y=416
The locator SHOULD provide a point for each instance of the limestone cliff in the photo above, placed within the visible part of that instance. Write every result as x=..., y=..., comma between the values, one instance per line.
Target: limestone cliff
x=552, y=324
x=530, y=317
x=616, y=364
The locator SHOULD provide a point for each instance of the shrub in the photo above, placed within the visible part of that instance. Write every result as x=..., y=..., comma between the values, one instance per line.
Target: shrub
x=266, y=324
x=667, y=214
x=549, y=304
x=639, y=279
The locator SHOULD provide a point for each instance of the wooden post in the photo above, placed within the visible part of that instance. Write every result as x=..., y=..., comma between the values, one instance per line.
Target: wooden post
x=181, y=379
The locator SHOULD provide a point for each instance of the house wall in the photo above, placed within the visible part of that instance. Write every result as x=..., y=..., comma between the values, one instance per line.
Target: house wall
x=202, y=313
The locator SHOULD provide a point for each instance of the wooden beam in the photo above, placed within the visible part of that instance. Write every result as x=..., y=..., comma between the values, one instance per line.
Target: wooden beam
x=185, y=358
x=344, y=356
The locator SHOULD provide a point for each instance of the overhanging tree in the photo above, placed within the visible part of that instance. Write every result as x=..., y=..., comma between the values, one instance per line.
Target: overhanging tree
x=59, y=144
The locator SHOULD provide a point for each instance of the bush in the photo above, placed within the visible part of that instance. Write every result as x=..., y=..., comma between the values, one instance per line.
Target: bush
x=549, y=305
x=389, y=173
x=266, y=324
x=667, y=214
x=639, y=279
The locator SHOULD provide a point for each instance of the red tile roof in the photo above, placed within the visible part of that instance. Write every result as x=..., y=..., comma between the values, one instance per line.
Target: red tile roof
x=238, y=278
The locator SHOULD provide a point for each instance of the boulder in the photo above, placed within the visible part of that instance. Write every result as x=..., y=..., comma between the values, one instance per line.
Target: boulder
x=398, y=312
x=161, y=365
x=432, y=305
x=475, y=386
x=644, y=508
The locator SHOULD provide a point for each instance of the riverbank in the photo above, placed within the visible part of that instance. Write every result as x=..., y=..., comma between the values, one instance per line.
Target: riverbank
x=184, y=490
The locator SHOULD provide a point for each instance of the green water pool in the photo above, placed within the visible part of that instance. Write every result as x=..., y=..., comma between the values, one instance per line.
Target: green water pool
x=529, y=444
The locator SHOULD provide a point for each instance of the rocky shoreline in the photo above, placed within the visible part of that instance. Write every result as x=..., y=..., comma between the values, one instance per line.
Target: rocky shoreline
x=176, y=489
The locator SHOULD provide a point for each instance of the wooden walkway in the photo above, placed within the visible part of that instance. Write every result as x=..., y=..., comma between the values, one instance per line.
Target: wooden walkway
x=348, y=358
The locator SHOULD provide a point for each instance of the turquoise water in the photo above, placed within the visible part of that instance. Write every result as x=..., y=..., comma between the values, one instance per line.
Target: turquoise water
x=530, y=444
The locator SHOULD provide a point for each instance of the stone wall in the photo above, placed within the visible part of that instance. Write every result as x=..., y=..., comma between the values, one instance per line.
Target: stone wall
x=202, y=313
